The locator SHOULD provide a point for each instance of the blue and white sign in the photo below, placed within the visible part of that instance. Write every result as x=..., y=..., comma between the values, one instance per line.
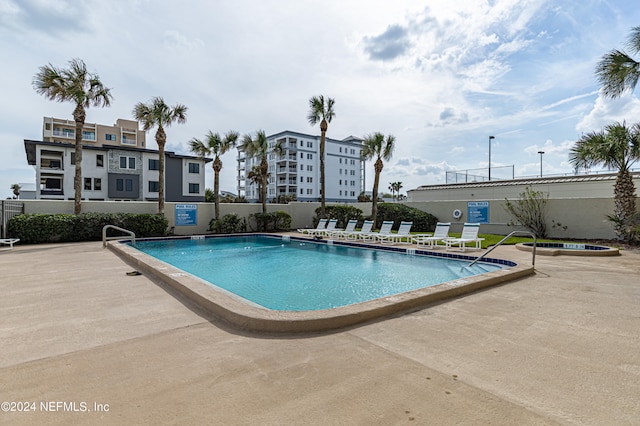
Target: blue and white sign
x=186, y=214
x=478, y=212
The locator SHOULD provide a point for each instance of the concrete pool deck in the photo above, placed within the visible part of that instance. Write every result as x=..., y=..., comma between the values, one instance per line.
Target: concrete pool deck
x=558, y=347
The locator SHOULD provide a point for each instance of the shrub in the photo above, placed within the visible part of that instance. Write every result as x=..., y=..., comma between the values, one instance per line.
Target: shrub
x=50, y=228
x=529, y=210
x=275, y=221
x=228, y=224
x=422, y=221
x=342, y=213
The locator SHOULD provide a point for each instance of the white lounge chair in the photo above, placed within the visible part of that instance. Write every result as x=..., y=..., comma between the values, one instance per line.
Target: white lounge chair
x=331, y=226
x=365, y=230
x=441, y=233
x=8, y=242
x=384, y=234
x=341, y=233
x=469, y=235
x=403, y=232
x=322, y=223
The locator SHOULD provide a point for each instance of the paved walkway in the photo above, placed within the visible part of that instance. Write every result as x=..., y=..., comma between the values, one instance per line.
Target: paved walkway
x=77, y=333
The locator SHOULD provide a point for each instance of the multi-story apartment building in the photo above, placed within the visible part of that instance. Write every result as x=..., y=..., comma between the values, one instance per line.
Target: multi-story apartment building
x=297, y=170
x=115, y=164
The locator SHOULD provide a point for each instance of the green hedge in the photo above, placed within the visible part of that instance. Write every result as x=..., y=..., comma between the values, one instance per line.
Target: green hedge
x=422, y=221
x=228, y=224
x=51, y=228
x=342, y=213
x=274, y=221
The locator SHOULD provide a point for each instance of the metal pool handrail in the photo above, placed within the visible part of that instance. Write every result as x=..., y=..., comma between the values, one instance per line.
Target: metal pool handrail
x=533, y=258
x=126, y=231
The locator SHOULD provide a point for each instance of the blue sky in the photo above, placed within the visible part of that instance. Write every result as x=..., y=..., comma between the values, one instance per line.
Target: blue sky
x=441, y=76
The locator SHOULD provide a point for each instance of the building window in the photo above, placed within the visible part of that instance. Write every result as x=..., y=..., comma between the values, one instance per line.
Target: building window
x=127, y=162
x=340, y=149
x=87, y=184
x=88, y=136
x=194, y=168
x=128, y=185
x=301, y=179
x=97, y=184
x=301, y=167
x=110, y=137
x=341, y=161
x=309, y=179
x=301, y=155
x=309, y=191
x=309, y=168
x=154, y=164
x=301, y=191
x=340, y=171
x=341, y=193
x=99, y=160
x=73, y=158
x=154, y=186
x=309, y=144
x=309, y=156
x=194, y=188
x=119, y=184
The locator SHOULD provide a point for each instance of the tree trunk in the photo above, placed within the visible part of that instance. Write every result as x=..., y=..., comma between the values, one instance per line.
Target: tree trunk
x=323, y=133
x=217, y=166
x=264, y=170
x=625, y=203
x=161, y=139
x=376, y=180
x=79, y=116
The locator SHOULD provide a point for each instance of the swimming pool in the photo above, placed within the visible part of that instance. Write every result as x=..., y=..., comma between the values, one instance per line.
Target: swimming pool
x=240, y=313
x=302, y=275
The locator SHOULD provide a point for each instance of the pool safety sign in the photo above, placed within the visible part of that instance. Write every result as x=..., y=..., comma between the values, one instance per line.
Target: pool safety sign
x=478, y=212
x=186, y=214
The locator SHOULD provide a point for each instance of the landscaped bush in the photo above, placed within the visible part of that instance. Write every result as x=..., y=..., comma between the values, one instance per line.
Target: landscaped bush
x=50, y=228
x=342, y=213
x=422, y=221
x=275, y=221
x=228, y=224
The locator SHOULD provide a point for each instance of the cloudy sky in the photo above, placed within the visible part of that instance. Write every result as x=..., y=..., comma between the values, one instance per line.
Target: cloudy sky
x=439, y=75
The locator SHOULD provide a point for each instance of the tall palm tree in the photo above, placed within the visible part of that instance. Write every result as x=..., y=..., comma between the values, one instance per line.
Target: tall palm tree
x=392, y=188
x=215, y=145
x=74, y=84
x=258, y=147
x=255, y=177
x=617, y=146
x=379, y=147
x=158, y=114
x=617, y=71
x=321, y=110
x=15, y=187
x=395, y=187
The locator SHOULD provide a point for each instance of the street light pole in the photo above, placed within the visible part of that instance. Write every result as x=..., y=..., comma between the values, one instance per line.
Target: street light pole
x=490, y=139
x=540, y=152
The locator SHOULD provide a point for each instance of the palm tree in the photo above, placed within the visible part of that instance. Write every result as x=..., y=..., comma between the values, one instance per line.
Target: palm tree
x=255, y=177
x=617, y=71
x=15, y=187
x=617, y=146
x=215, y=145
x=258, y=147
x=395, y=187
x=321, y=111
x=74, y=84
x=158, y=114
x=381, y=148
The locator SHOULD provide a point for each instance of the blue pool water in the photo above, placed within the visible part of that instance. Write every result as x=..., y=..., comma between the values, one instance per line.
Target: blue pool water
x=300, y=275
